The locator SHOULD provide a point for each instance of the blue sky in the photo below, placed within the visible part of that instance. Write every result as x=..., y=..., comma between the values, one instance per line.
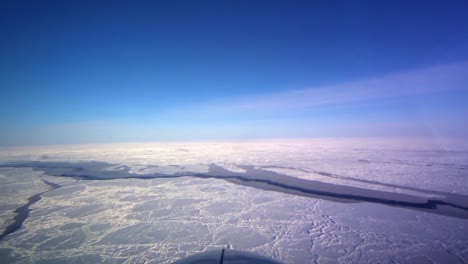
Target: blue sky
x=111, y=71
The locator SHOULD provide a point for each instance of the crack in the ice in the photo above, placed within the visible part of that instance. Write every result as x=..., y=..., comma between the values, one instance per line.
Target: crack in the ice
x=22, y=212
x=430, y=204
x=273, y=181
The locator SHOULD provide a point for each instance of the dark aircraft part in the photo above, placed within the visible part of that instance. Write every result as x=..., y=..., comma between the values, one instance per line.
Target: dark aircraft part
x=226, y=256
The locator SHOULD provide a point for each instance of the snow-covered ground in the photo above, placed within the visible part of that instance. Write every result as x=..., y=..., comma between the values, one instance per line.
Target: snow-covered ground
x=163, y=219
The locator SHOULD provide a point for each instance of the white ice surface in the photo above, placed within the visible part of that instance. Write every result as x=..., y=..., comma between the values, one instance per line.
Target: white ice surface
x=159, y=220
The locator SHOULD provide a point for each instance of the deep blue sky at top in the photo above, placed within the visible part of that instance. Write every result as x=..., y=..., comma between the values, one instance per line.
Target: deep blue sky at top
x=66, y=62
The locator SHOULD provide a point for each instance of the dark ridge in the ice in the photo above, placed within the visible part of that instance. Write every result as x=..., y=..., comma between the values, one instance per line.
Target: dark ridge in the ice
x=21, y=213
x=453, y=205
x=421, y=164
x=336, y=176
x=51, y=184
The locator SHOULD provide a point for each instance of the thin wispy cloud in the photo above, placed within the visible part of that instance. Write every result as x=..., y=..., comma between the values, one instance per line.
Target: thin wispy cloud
x=426, y=81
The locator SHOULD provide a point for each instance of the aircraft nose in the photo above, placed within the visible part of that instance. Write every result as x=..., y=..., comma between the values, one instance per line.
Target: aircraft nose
x=227, y=256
